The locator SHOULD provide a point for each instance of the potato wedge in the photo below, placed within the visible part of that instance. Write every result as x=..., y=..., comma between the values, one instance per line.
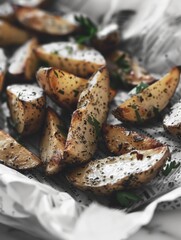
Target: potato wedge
x=62, y=87
x=126, y=70
x=52, y=143
x=3, y=65
x=11, y=35
x=15, y=155
x=172, y=121
x=150, y=101
x=120, y=140
x=44, y=22
x=87, y=120
x=71, y=57
x=130, y=170
x=27, y=107
x=24, y=62
x=6, y=11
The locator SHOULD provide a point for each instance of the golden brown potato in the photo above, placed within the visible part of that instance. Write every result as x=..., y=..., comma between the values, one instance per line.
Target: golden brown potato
x=172, y=121
x=130, y=170
x=15, y=155
x=62, y=87
x=150, y=101
x=87, y=120
x=11, y=35
x=53, y=142
x=27, y=107
x=126, y=70
x=3, y=65
x=24, y=62
x=71, y=57
x=120, y=140
x=44, y=22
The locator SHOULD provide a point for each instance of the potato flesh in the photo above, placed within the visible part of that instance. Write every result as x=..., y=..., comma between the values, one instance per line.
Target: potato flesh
x=120, y=141
x=130, y=170
x=10, y=35
x=27, y=107
x=93, y=105
x=24, y=61
x=42, y=21
x=71, y=57
x=3, y=65
x=52, y=143
x=152, y=100
x=14, y=155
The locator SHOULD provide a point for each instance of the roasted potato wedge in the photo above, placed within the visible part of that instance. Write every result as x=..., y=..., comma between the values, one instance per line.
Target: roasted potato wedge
x=53, y=142
x=15, y=155
x=62, y=87
x=3, y=65
x=71, y=57
x=11, y=35
x=44, y=22
x=24, y=62
x=87, y=120
x=107, y=38
x=120, y=140
x=130, y=170
x=27, y=107
x=6, y=11
x=126, y=70
x=150, y=101
x=172, y=121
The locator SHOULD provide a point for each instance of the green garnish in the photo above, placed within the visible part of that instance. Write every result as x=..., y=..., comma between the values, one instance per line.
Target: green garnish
x=55, y=73
x=93, y=121
x=62, y=130
x=123, y=64
x=76, y=93
x=126, y=199
x=138, y=117
x=169, y=167
x=69, y=49
x=138, y=89
x=61, y=92
x=89, y=29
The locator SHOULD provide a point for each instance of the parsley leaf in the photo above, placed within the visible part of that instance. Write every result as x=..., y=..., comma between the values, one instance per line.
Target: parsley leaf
x=169, y=167
x=93, y=121
x=138, y=89
x=138, y=117
x=123, y=64
x=126, y=199
x=89, y=29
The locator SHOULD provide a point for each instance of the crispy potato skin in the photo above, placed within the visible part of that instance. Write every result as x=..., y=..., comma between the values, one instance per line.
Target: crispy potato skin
x=44, y=22
x=24, y=62
x=11, y=35
x=92, y=107
x=14, y=155
x=71, y=57
x=120, y=140
x=152, y=100
x=27, y=115
x=3, y=65
x=52, y=143
x=130, y=170
x=62, y=87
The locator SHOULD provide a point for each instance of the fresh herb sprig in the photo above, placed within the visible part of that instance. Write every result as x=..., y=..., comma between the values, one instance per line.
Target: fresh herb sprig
x=89, y=30
x=126, y=199
x=123, y=64
x=96, y=124
x=169, y=167
x=138, y=89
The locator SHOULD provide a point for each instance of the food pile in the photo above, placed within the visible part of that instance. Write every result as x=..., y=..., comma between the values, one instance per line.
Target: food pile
x=80, y=67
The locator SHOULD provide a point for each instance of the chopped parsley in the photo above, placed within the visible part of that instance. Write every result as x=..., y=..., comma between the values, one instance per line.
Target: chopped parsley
x=93, y=121
x=169, y=167
x=76, y=92
x=123, y=64
x=89, y=29
x=61, y=92
x=138, y=117
x=126, y=199
x=56, y=74
x=138, y=89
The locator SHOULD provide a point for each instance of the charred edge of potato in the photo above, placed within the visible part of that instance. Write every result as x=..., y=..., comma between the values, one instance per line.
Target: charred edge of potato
x=92, y=176
x=150, y=101
x=15, y=155
x=120, y=140
x=52, y=143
